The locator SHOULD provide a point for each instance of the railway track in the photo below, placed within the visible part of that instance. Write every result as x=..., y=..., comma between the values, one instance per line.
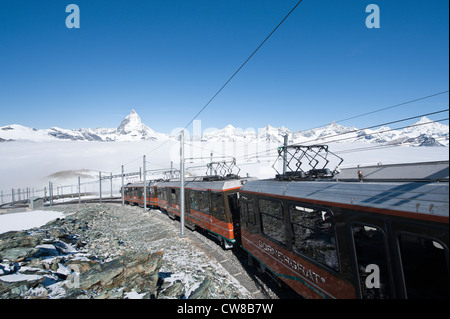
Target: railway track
x=260, y=284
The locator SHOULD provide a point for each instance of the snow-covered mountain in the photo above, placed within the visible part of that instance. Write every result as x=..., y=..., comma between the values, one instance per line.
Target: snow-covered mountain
x=130, y=129
x=423, y=133
x=232, y=134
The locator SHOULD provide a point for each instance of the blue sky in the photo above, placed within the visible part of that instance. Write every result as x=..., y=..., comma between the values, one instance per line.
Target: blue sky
x=167, y=58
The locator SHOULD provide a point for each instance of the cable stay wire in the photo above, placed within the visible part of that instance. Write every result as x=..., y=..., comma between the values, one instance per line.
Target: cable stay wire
x=269, y=151
x=378, y=125
x=274, y=151
x=381, y=109
x=390, y=130
x=242, y=65
x=263, y=152
x=232, y=76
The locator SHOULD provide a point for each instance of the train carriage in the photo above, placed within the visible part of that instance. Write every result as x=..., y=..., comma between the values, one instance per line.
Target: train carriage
x=209, y=204
x=134, y=194
x=330, y=239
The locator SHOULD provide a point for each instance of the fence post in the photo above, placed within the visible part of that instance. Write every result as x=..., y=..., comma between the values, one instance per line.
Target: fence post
x=50, y=193
x=79, y=191
x=100, y=180
x=145, y=187
x=111, y=186
x=122, y=190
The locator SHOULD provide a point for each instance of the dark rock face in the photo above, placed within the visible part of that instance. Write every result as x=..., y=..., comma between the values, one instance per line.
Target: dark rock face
x=107, y=252
x=28, y=260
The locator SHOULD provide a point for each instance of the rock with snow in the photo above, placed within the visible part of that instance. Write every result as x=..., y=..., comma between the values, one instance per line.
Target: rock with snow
x=125, y=254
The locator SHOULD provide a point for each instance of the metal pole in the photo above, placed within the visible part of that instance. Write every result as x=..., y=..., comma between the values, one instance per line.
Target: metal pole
x=182, y=184
x=210, y=167
x=12, y=197
x=285, y=154
x=79, y=191
x=100, y=187
x=50, y=192
x=145, y=187
x=111, y=185
x=123, y=195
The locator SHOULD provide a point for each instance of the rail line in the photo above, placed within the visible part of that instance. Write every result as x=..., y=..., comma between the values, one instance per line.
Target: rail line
x=259, y=283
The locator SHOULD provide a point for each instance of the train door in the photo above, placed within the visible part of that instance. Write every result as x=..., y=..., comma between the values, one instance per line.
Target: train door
x=423, y=260
x=235, y=215
x=371, y=259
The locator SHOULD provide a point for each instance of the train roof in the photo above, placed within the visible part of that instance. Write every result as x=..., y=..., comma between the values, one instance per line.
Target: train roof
x=200, y=184
x=423, y=171
x=412, y=197
x=140, y=184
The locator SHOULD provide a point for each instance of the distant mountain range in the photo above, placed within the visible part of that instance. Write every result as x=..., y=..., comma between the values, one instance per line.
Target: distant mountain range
x=423, y=133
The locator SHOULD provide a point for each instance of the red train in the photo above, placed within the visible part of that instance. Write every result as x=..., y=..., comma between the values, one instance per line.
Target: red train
x=324, y=237
x=211, y=203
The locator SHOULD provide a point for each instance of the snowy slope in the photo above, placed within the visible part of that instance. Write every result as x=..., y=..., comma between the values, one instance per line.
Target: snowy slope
x=18, y=132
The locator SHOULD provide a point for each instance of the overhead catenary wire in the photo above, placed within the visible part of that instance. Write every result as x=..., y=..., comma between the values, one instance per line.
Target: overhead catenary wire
x=248, y=59
x=383, y=124
x=356, y=131
x=233, y=75
x=384, y=108
x=242, y=65
x=266, y=151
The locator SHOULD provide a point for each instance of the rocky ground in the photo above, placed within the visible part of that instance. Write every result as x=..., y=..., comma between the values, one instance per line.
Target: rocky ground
x=109, y=251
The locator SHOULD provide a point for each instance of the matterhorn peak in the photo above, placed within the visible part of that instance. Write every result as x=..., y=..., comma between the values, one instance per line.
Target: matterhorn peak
x=131, y=123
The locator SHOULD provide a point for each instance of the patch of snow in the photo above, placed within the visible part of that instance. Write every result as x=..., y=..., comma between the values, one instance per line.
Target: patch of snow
x=19, y=277
x=134, y=295
x=27, y=220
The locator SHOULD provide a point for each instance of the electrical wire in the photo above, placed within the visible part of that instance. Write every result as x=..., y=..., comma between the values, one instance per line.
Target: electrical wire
x=355, y=131
x=242, y=65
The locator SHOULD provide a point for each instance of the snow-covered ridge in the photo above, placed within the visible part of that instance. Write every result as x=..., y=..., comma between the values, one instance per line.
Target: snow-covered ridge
x=130, y=129
x=423, y=133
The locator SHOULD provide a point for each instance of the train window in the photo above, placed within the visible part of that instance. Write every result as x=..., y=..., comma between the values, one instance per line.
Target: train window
x=371, y=256
x=195, y=202
x=425, y=267
x=314, y=234
x=161, y=193
x=272, y=219
x=217, y=203
x=200, y=201
x=174, y=196
x=247, y=210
